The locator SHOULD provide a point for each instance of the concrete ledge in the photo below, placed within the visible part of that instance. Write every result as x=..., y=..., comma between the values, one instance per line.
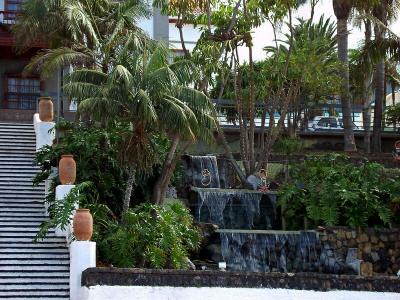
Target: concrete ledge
x=177, y=278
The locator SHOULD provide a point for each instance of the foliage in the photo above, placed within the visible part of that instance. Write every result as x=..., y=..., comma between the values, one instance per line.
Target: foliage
x=330, y=190
x=96, y=152
x=151, y=236
x=288, y=146
x=60, y=212
x=393, y=114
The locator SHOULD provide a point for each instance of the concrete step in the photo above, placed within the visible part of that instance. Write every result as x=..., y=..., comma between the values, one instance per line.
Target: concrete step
x=23, y=218
x=26, y=196
x=17, y=156
x=34, y=267
x=30, y=246
x=18, y=214
x=34, y=294
x=34, y=280
x=15, y=223
x=44, y=250
x=22, y=209
x=34, y=256
x=23, y=233
x=19, y=205
x=25, y=191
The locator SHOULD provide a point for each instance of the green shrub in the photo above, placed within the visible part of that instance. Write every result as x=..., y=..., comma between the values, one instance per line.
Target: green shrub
x=331, y=190
x=151, y=236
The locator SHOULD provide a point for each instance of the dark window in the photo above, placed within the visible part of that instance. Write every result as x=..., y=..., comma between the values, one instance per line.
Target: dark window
x=324, y=122
x=333, y=123
x=22, y=93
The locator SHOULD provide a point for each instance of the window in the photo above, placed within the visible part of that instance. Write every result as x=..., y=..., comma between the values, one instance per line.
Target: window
x=22, y=93
x=13, y=5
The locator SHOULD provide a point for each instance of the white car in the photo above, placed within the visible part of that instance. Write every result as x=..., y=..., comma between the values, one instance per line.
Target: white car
x=327, y=123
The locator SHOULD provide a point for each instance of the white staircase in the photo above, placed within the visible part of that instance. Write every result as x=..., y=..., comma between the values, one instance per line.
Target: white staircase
x=28, y=270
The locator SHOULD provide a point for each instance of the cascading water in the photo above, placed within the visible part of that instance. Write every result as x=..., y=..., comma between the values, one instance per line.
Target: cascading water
x=239, y=209
x=267, y=251
x=238, y=213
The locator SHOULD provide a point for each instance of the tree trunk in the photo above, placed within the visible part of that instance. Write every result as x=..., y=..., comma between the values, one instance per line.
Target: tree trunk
x=378, y=110
x=166, y=173
x=342, y=38
x=128, y=190
x=379, y=79
x=366, y=96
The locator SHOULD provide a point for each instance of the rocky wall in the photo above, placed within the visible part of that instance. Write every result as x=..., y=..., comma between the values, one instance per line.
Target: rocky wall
x=377, y=249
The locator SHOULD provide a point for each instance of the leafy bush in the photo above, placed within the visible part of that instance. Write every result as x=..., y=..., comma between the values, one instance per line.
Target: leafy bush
x=331, y=190
x=151, y=236
x=96, y=154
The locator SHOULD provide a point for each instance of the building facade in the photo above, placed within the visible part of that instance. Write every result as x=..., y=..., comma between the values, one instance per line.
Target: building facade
x=19, y=90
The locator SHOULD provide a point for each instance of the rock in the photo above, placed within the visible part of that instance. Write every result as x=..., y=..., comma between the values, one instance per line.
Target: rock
x=366, y=269
x=323, y=237
x=353, y=234
x=352, y=243
x=339, y=244
x=348, y=235
x=363, y=238
x=383, y=238
x=340, y=234
x=367, y=248
x=213, y=252
x=375, y=256
x=374, y=239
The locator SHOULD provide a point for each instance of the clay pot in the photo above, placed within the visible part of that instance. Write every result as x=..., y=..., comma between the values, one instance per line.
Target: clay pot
x=67, y=169
x=46, y=113
x=83, y=225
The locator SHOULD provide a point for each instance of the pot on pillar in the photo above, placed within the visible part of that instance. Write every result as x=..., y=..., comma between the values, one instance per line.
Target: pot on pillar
x=46, y=113
x=83, y=225
x=67, y=169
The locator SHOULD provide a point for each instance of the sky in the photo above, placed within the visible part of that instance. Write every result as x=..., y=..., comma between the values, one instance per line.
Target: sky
x=263, y=35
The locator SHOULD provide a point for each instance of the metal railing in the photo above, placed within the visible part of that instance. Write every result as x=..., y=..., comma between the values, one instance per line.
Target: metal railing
x=228, y=118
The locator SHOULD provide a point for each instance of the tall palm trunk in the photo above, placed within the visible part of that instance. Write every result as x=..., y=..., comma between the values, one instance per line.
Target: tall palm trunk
x=379, y=79
x=342, y=10
x=366, y=97
x=128, y=190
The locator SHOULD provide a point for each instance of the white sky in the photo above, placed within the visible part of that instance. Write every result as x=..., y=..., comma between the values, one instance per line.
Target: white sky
x=264, y=35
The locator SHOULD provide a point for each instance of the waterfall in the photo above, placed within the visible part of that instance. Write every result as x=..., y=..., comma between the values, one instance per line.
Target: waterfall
x=204, y=171
x=228, y=208
x=269, y=251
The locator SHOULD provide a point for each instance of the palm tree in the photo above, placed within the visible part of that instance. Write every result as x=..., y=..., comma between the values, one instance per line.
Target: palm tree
x=342, y=9
x=76, y=23
x=141, y=88
x=383, y=12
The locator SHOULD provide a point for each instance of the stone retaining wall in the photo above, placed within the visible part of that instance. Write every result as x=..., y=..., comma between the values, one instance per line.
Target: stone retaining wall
x=175, y=278
x=379, y=249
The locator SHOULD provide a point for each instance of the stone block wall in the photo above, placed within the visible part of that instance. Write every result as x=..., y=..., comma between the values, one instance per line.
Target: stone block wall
x=379, y=249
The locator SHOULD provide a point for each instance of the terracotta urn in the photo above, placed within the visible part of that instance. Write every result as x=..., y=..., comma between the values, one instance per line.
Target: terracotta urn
x=83, y=225
x=46, y=113
x=67, y=169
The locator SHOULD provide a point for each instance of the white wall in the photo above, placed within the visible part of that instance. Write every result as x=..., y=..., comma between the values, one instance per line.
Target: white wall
x=193, y=293
x=190, y=35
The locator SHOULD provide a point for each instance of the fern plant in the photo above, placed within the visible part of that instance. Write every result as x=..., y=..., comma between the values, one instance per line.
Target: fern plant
x=151, y=236
x=331, y=190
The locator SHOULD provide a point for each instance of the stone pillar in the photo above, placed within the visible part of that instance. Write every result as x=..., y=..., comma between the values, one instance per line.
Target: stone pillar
x=61, y=192
x=82, y=257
